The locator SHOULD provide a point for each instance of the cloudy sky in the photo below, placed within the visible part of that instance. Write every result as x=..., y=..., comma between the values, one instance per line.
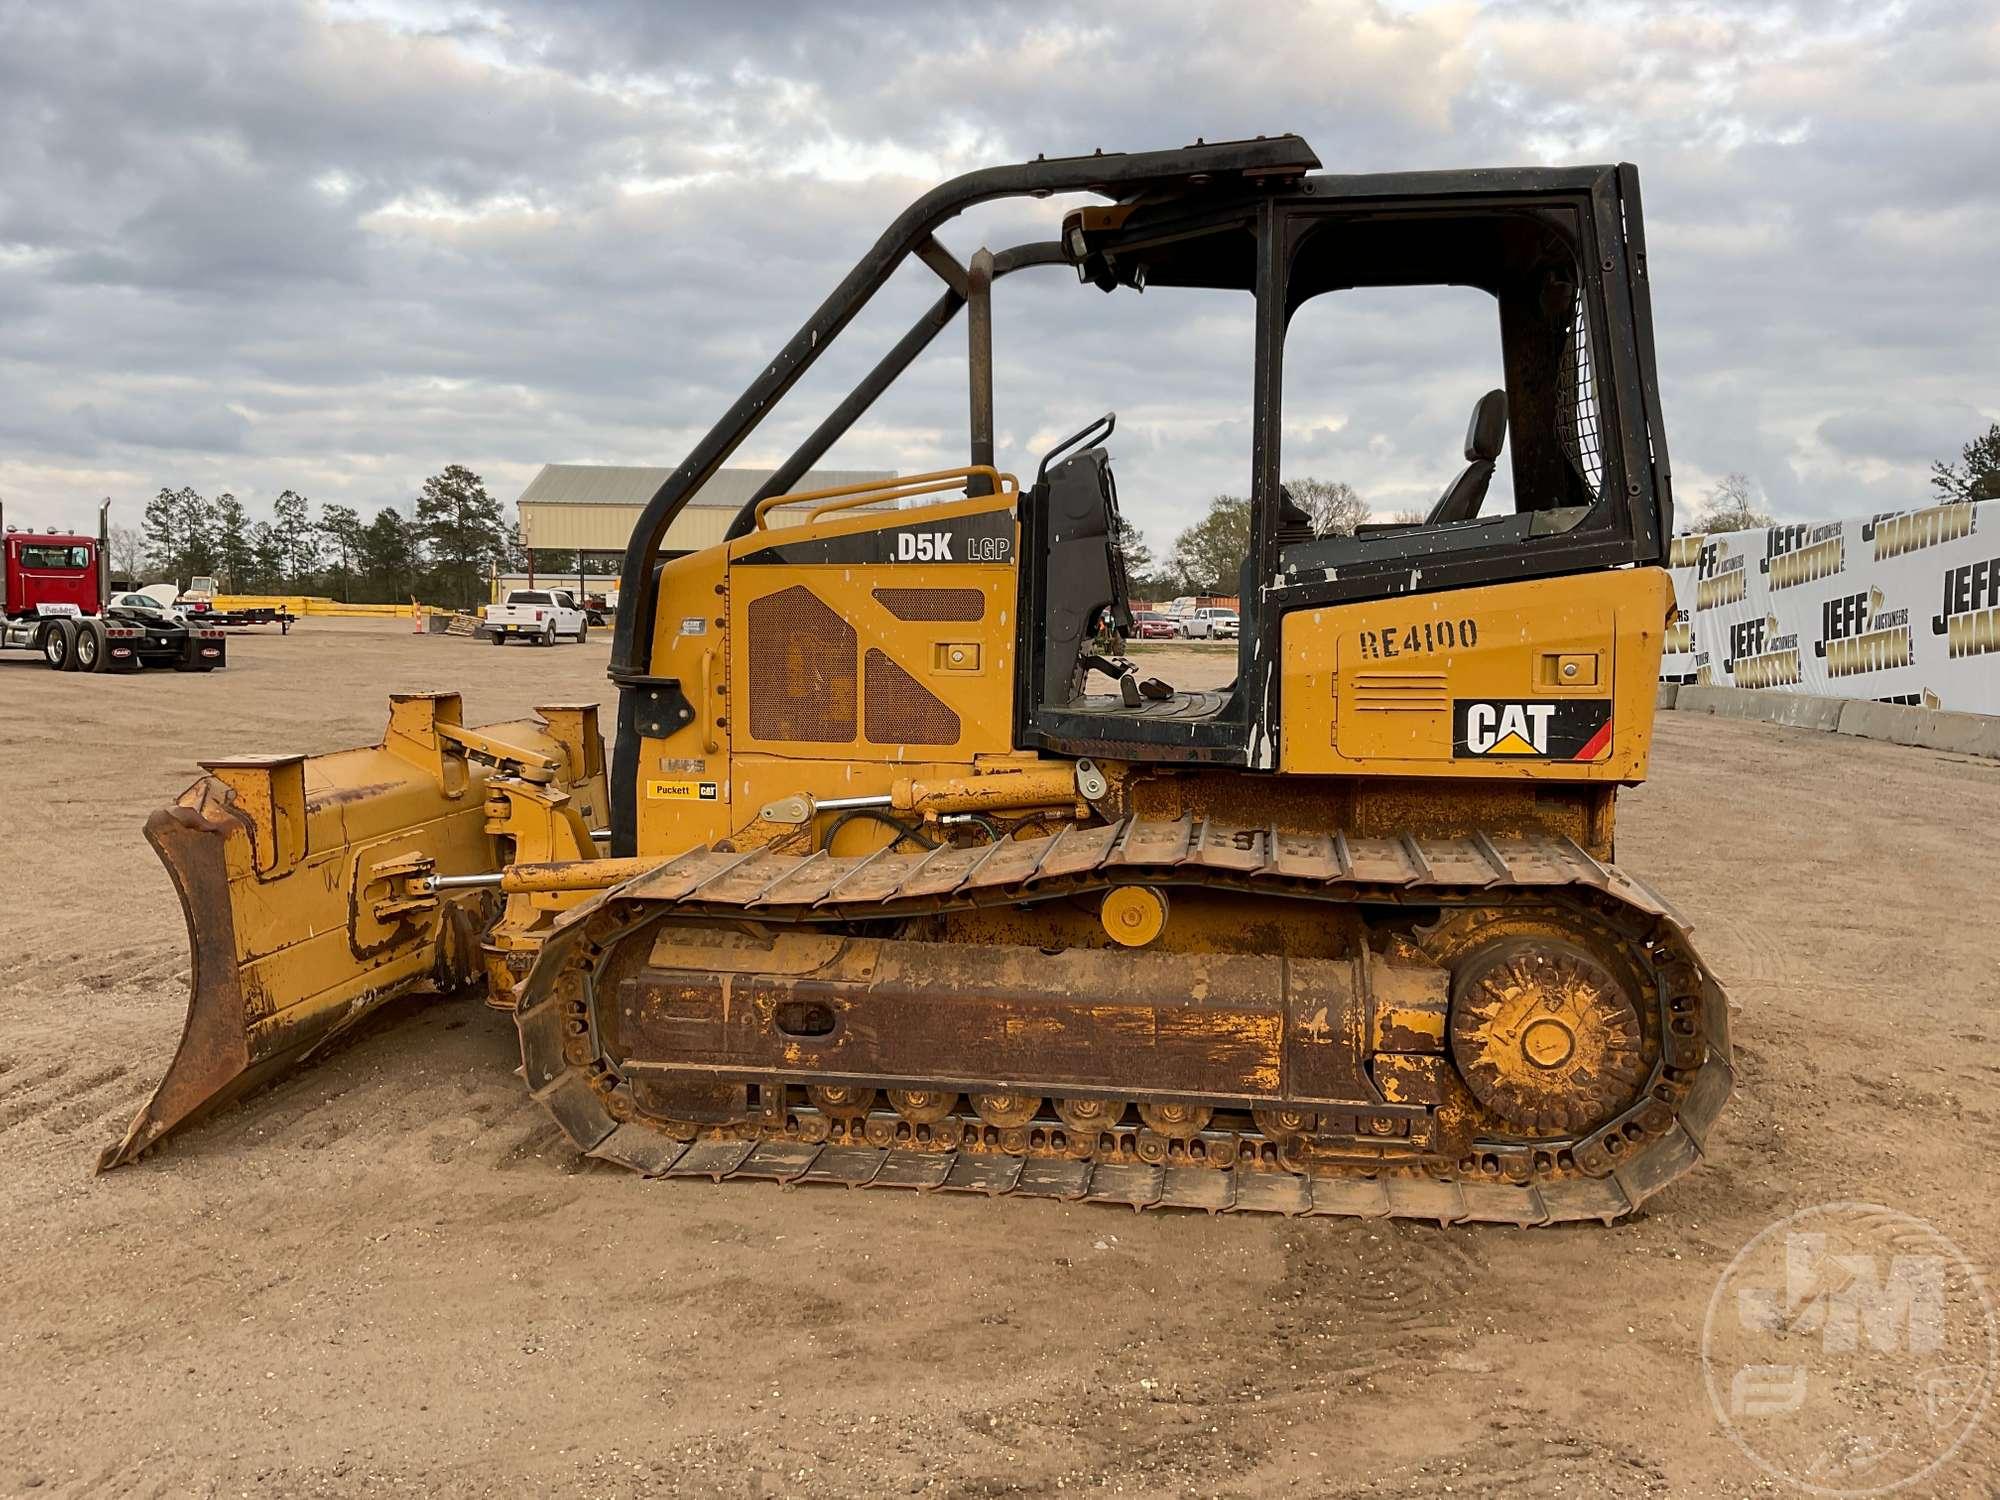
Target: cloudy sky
x=337, y=246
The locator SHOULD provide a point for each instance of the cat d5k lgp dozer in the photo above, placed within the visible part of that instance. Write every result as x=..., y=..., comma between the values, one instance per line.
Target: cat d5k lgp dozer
x=910, y=880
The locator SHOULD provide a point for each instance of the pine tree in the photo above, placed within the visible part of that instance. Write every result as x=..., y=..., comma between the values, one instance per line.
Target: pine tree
x=234, y=560
x=197, y=528
x=388, y=557
x=162, y=530
x=342, y=529
x=463, y=530
x=267, y=559
x=297, y=539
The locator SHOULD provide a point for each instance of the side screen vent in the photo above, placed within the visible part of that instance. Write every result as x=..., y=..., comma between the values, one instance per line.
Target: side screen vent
x=802, y=674
x=902, y=711
x=933, y=604
x=1576, y=403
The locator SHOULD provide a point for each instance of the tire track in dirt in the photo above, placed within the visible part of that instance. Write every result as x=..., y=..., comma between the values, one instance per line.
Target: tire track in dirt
x=1368, y=1298
x=1522, y=1458
x=63, y=1100
x=1358, y=1304
x=153, y=966
x=146, y=1479
x=1748, y=955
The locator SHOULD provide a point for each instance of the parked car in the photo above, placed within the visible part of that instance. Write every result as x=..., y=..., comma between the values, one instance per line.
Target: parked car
x=1210, y=622
x=539, y=615
x=1149, y=626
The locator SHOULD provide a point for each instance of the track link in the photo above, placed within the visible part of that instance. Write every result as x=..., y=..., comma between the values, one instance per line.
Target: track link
x=1603, y=1175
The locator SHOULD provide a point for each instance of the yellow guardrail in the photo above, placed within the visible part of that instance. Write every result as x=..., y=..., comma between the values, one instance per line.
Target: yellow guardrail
x=306, y=604
x=876, y=491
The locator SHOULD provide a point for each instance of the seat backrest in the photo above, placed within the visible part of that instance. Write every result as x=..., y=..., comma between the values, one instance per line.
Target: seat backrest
x=1484, y=437
x=1081, y=572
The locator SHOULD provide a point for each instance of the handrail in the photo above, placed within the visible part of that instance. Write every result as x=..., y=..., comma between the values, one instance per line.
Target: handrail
x=873, y=490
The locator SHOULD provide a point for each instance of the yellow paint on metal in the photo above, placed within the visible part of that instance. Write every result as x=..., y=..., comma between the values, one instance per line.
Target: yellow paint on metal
x=982, y=696
x=1051, y=784
x=303, y=882
x=1134, y=914
x=1377, y=689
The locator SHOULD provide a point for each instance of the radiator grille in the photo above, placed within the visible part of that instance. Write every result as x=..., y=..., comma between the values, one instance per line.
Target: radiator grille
x=1401, y=692
x=801, y=669
x=933, y=604
x=902, y=711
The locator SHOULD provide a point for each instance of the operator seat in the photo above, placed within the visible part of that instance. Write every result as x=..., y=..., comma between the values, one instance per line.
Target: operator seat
x=1483, y=439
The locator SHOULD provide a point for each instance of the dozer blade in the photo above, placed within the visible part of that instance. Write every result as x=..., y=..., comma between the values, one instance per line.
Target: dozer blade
x=304, y=883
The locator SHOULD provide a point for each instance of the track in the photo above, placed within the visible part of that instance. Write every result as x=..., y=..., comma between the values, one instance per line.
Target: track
x=1236, y=1167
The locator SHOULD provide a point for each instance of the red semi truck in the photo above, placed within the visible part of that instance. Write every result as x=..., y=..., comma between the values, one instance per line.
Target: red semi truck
x=56, y=604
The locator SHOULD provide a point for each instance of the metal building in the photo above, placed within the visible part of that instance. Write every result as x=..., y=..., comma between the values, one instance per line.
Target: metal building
x=592, y=508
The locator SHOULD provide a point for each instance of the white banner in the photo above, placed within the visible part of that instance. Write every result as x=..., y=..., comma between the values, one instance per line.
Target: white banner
x=1901, y=608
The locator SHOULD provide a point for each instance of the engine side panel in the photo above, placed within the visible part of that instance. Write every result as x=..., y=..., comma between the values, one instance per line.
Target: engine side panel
x=885, y=636
x=1545, y=680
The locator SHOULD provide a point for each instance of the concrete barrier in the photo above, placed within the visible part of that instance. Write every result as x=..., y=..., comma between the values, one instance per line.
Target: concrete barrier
x=1895, y=723
x=1763, y=704
x=1928, y=728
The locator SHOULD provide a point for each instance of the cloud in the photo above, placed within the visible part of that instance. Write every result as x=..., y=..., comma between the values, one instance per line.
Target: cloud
x=336, y=246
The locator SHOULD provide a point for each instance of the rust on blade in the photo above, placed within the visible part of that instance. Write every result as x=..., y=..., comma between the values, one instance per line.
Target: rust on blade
x=213, y=1057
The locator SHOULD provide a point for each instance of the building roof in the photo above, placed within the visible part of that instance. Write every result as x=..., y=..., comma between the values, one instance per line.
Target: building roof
x=594, y=507
x=615, y=484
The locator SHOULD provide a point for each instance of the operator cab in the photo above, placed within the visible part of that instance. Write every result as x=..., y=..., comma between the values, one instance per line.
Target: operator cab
x=1541, y=258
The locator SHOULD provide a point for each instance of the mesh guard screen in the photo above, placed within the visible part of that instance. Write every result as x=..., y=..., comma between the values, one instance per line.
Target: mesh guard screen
x=802, y=673
x=901, y=710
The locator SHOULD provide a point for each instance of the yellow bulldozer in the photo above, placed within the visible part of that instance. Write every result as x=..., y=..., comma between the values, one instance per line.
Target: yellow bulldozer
x=900, y=873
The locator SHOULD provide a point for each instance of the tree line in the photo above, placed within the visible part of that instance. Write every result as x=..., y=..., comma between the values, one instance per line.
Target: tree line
x=1207, y=557
x=442, y=553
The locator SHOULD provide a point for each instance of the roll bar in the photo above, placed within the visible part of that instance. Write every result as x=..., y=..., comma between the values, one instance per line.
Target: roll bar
x=1111, y=175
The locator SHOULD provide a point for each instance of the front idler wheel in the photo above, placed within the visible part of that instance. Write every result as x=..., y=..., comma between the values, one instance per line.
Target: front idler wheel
x=1546, y=1037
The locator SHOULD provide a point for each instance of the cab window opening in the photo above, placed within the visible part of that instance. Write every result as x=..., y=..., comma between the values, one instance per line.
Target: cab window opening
x=1408, y=326
x=54, y=557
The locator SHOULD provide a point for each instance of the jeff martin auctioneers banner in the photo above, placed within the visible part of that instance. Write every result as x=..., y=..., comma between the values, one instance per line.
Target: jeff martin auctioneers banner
x=1902, y=608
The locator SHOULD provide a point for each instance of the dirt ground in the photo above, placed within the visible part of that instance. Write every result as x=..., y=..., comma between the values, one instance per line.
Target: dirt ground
x=388, y=1274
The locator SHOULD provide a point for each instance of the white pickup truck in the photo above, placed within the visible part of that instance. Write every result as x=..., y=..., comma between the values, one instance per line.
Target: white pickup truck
x=1209, y=623
x=539, y=615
